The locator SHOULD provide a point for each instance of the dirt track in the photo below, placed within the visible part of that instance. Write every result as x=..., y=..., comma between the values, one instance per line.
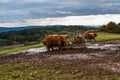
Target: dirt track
x=90, y=61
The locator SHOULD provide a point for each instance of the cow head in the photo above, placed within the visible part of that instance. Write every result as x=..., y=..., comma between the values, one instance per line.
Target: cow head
x=65, y=37
x=43, y=41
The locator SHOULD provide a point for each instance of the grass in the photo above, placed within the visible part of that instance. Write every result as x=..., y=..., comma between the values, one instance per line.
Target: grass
x=29, y=71
x=20, y=48
x=107, y=36
x=37, y=70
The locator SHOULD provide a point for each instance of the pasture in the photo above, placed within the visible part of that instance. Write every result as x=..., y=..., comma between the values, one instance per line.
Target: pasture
x=67, y=64
x=70, y=64
x=107, y=36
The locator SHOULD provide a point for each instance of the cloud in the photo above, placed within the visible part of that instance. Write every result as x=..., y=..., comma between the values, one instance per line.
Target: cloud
x=26, y=1
x=13, y=12
x=5, y=1
x=64, y=12
x=88, y=20
x=53, y=1
x=17, y=10
x=69, y=20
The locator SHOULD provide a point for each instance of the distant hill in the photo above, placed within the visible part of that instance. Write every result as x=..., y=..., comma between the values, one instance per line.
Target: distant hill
x=93, y=26
x=7, y=29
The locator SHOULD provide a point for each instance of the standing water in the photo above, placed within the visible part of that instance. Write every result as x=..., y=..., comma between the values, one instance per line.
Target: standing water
x=103, y=46
x=89, y=45
x=31, y=51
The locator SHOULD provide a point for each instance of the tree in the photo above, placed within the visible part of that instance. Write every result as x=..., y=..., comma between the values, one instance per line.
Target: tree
x=103, y=28
x=111, y=27
x=118, y=29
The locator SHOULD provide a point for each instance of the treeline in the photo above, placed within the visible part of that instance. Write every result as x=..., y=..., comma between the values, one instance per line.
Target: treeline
x=111, y=27
x=30, y=35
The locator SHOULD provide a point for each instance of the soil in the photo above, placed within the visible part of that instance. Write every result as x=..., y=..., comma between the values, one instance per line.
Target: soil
x=90, y=61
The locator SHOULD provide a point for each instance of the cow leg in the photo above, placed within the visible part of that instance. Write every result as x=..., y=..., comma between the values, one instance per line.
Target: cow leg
x=48, y=48
x=94, y=40
x=52, y=48
x=60, y=47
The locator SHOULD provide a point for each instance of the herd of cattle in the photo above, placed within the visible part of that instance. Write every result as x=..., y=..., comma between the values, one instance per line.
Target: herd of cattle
x=56, y=40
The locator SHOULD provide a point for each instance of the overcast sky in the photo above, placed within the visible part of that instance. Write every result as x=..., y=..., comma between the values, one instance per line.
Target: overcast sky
x=18, y=11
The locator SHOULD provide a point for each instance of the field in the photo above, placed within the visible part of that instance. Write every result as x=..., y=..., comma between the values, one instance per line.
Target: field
x=66, y=64
x=107, y=36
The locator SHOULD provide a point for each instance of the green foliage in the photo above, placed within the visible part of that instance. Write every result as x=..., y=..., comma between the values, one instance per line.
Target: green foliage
x=5, y=42
x=111, y=27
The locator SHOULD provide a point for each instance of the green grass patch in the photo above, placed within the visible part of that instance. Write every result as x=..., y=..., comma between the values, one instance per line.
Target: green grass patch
x=30, y=71
x=20, y=48
x=107, y=36
x=37, y=71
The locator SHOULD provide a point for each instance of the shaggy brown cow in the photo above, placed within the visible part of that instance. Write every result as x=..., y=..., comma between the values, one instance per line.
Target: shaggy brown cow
x=90, y=36
x=55, y=41
x=79, y=39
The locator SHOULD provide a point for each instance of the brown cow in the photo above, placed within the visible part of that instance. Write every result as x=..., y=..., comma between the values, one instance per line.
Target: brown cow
x=79, y=39
x=55, y=41
x=90, y=36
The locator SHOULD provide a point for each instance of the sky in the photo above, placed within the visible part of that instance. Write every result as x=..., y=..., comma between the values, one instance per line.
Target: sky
x=14, y=13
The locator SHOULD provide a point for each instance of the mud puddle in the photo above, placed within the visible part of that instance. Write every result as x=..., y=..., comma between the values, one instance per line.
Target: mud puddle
x=89, y=46
x=31, y=51
x=104, y=46
x=70, y=56
x=75, y=56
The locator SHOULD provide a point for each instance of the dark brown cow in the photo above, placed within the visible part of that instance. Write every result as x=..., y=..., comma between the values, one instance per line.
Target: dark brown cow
x=55, y=41
x=90, y=36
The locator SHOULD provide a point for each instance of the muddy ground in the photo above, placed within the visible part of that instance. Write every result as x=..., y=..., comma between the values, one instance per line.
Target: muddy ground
x=98, y=61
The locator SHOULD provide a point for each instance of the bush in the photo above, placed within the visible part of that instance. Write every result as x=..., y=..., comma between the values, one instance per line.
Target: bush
x=111, y=27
